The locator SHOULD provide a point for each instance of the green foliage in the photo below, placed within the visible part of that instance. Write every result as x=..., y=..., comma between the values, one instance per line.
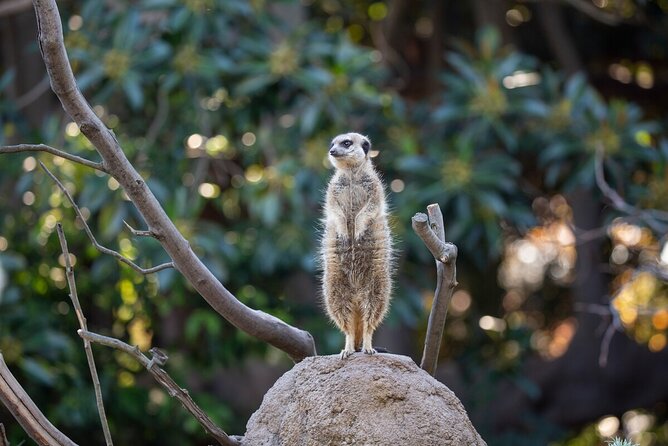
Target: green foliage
x=226, y=109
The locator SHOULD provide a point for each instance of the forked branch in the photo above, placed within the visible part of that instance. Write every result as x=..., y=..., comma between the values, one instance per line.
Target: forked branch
x=33, y=421
x=432, y=232
x=93, y=240
x=295, y=342
x=166, y=381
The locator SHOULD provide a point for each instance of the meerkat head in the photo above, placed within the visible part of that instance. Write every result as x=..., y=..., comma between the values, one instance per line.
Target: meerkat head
x=349, y=150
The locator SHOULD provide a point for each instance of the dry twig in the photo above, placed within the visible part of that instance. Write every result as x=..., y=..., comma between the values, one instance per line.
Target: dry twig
x=69, y=272
x=614, y=326
x=102, y=249
x=173, y=389
x=48, y=149
x=594, y=12
x=138, y=232
x=654, y=218
x=33, y=421
x=432, y=232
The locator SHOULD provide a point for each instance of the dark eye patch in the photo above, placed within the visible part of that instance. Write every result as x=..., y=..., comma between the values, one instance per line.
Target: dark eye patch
x=347, y=143
x=366, y=145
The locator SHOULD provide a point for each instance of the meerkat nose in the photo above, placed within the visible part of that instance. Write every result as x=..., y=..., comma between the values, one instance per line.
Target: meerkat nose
x=332, y=152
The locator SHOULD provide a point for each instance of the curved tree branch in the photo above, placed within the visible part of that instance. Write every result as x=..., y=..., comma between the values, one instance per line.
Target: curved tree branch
x=33, y=421
x=295, y=342
x=432, y=232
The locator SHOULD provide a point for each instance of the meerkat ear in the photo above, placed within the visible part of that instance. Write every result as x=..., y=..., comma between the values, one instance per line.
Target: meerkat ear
x=366, y=145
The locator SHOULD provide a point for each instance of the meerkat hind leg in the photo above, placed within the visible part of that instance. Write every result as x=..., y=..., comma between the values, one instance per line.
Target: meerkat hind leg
x=367, y=335
x=349, y=347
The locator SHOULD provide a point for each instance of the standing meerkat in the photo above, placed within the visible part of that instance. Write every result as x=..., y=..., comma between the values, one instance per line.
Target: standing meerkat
x=356, y=247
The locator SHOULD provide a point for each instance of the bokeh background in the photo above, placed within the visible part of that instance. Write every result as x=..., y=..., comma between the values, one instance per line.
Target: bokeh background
x=495, y=109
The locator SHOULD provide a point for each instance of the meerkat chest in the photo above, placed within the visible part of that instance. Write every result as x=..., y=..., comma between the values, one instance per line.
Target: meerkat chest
x=352, y=193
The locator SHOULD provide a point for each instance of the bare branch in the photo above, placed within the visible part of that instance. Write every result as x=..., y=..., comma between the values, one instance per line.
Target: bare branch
x=445, y=254
x=165, y=381
x=53, y=151
x=587, y=8
x=92, y=238
x=3, y=436
x=657, y=269
x=440, y=250
x=605, y=345
x=601, y=310
x=614, y=326
x=69, y=272
x=137, y=232
x=33, y=421
x=654, y=218
x=594, y=12
x=436, y=221
x=295, y=342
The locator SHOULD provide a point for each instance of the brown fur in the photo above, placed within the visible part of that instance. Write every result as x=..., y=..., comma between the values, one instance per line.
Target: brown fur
x=356, y=246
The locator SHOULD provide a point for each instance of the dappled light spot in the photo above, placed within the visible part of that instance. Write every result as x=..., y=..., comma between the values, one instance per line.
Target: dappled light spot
x=492, y=323
x=194, y=141
x=644, y=76
x=125, y=379
x=657, y=342
x=561, y=338
x=254, y=173
x=620, y=72
x=608, y=426
x=140, y=335
x=660, y=319
x=521, y=79
x=377, y=11
x=72, y=129
x=29, y=164
x=424, y=27
x=248, y=139
x=112, y=183
x=75, y=22
x=461, y=302
x=209, y=190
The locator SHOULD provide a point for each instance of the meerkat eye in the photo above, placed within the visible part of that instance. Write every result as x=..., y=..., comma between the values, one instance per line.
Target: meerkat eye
x=347, y=143
x=366, y=145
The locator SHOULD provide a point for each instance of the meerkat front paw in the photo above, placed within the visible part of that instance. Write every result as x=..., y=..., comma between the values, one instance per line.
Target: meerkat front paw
x=345, y=353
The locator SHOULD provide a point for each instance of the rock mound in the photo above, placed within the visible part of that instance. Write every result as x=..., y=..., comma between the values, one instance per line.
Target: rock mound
x=365, y=400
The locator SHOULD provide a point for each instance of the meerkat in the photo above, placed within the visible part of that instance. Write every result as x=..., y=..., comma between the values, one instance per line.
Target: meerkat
x=356, y=246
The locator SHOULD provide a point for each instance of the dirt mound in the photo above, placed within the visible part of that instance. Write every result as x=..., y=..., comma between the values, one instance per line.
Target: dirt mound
x=365, y=400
